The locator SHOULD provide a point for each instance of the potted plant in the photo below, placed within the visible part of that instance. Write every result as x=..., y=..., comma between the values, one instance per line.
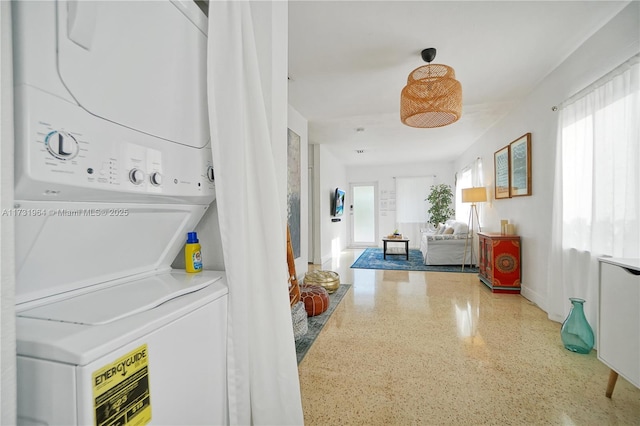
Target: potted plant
x=441, y=199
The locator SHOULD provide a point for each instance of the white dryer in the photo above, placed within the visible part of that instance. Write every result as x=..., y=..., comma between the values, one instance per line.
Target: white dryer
x=113, y=168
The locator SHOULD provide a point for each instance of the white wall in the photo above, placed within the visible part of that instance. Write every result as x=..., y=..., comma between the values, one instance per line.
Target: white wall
x=298, y=124
x=332, y=175
x=384, y=176
x=607, y=48
x=7, y=255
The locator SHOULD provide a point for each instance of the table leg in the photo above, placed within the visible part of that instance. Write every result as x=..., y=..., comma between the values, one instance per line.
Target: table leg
x=384, y=250
x=406, y=248
x=613, y=377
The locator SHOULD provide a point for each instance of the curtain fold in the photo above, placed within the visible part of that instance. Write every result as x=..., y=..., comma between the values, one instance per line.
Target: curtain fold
x=464, y=179
x=412, y=207
x=596, y=201
x=477, y=178
x=263, y=385
x=470, y=176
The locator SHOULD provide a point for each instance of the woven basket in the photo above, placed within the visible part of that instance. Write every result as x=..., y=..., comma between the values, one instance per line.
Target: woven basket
x=300, y=322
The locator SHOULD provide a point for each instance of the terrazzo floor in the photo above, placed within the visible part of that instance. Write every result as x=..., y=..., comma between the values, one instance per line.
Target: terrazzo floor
x=432, y=348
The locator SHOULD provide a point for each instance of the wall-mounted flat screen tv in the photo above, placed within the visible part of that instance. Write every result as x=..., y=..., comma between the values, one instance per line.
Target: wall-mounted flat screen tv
x=337, y=203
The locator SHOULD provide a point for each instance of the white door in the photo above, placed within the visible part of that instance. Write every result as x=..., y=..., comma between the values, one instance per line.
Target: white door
x=363, y=211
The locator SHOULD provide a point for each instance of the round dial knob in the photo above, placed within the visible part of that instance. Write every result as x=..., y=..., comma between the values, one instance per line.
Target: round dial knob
x=61, y=145
x=156, y=178
x=210, y=175
x=136, y=176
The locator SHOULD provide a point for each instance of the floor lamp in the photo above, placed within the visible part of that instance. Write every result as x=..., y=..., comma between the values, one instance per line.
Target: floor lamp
x=473, y=196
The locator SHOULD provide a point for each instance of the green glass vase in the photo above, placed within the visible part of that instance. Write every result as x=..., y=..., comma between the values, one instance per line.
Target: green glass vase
x=576, y=333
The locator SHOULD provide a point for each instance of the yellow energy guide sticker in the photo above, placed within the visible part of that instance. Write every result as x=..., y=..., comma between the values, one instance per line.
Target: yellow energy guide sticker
x=121, y=390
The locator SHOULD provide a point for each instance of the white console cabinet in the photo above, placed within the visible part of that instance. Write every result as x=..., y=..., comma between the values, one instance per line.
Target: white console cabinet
x=619, y=319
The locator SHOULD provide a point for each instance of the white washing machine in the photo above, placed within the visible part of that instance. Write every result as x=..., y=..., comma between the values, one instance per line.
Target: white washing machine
x=113, y=168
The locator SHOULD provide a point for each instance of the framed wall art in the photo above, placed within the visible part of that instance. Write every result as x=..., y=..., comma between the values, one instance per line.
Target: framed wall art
x=520, y=166
x=502, y=173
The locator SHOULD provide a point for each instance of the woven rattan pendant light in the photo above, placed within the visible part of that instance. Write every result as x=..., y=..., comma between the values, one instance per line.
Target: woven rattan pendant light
x=432, y=96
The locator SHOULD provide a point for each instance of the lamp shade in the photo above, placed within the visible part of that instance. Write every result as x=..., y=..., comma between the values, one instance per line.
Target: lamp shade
x=431, y=98
x=474, y=195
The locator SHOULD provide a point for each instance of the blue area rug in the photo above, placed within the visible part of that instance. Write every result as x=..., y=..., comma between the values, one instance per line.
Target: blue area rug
x=317, y=322
x=372, y=258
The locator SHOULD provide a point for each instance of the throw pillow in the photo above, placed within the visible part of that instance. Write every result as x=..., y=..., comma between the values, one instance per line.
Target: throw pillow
x=460, y=228
x=448, y=231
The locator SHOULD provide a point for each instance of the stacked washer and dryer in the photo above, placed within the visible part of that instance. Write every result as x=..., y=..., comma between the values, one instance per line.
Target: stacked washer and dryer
x=113, y=168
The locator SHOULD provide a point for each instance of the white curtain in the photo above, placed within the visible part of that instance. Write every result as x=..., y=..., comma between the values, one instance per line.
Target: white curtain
x=262, y=369
x=463, y=180
x=471, y=176
x=411, y=206
x=596, y=204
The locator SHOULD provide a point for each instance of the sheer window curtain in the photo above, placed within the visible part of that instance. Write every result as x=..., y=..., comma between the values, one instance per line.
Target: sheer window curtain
x=463, y=180
x=263, y=384
x=470, y=176
x=596, y=203
x=411, y=206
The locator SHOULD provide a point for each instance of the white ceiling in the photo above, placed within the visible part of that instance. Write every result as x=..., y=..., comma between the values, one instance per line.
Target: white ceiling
x=349, y=60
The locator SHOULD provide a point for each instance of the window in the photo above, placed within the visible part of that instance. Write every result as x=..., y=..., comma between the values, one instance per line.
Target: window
x=596, y=205
x=471, y=176
x=599, y=173
x=462, y=209
x=411, y=206
x=411, y=195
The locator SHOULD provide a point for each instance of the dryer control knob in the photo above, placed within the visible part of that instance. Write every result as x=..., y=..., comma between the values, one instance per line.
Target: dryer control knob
x=210, y=175
x=156, y=179
x=61, y=145
x=136, y=176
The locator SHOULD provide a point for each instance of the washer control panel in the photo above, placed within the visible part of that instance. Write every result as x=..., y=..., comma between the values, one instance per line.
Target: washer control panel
x=71, y=155
x=61, y=145
x=136, y=176
x=156, y=178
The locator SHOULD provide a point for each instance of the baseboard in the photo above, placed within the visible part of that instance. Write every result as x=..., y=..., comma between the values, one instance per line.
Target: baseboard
x=533, y=297
x=325, y=259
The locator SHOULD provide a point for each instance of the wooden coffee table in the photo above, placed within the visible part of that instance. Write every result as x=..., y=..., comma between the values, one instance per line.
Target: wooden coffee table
x=385, y=250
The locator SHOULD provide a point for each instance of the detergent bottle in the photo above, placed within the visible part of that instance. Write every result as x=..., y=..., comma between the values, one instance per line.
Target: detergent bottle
x=192, y=254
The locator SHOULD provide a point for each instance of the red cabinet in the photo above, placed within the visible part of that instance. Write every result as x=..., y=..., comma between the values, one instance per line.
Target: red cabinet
x=499, y=262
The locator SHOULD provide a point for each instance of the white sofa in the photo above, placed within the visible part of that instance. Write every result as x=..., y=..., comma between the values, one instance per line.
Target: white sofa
x=445, y=245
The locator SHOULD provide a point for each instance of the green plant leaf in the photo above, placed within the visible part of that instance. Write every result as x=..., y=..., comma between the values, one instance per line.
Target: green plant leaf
x=441, y=200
